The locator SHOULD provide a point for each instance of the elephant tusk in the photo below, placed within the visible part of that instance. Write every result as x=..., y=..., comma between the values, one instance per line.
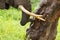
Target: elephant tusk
x=30, y=13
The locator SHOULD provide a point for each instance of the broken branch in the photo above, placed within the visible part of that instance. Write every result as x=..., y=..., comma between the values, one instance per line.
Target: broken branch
x=31, y=14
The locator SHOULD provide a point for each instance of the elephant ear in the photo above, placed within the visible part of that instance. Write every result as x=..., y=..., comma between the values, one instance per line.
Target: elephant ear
x=2, y=4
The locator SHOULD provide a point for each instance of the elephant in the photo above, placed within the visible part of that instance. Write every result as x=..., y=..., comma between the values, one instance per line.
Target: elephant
x=5, y=4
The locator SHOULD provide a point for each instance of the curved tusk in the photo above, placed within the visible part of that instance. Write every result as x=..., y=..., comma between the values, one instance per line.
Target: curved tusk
x=30, y=13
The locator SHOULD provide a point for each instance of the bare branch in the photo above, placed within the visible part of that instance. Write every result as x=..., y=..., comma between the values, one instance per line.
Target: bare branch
x=31, y=14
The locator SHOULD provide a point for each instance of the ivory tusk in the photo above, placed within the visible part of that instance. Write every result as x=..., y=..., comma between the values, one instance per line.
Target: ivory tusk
x=30, y=13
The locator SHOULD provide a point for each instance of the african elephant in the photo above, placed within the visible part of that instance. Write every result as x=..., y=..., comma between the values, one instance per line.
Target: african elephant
x=5, y=4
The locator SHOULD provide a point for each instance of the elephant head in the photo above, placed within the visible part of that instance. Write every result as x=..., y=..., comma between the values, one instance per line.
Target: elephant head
x=4, y=4
x=27, y=5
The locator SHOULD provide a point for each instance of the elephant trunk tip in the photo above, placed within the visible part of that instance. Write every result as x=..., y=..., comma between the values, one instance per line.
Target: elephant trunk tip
x=23, y=23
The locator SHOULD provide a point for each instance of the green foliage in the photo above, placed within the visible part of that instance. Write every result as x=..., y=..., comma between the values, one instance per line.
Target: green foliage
x=58, y=28
x=10, y=28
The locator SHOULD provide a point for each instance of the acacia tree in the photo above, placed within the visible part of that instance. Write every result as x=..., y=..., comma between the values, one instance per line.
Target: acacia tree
x=45, y=30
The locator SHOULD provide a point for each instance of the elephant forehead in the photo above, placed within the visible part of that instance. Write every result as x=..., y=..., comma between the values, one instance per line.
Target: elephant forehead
x=21, y=2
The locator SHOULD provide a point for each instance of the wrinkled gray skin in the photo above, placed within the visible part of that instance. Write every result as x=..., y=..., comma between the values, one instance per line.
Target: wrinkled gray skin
x=4, y=4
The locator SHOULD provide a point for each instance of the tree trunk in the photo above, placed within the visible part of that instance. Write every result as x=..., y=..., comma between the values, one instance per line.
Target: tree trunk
x=45, y=30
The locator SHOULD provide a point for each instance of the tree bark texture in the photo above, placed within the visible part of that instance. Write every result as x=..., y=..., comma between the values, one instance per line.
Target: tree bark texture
x=45, y=30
